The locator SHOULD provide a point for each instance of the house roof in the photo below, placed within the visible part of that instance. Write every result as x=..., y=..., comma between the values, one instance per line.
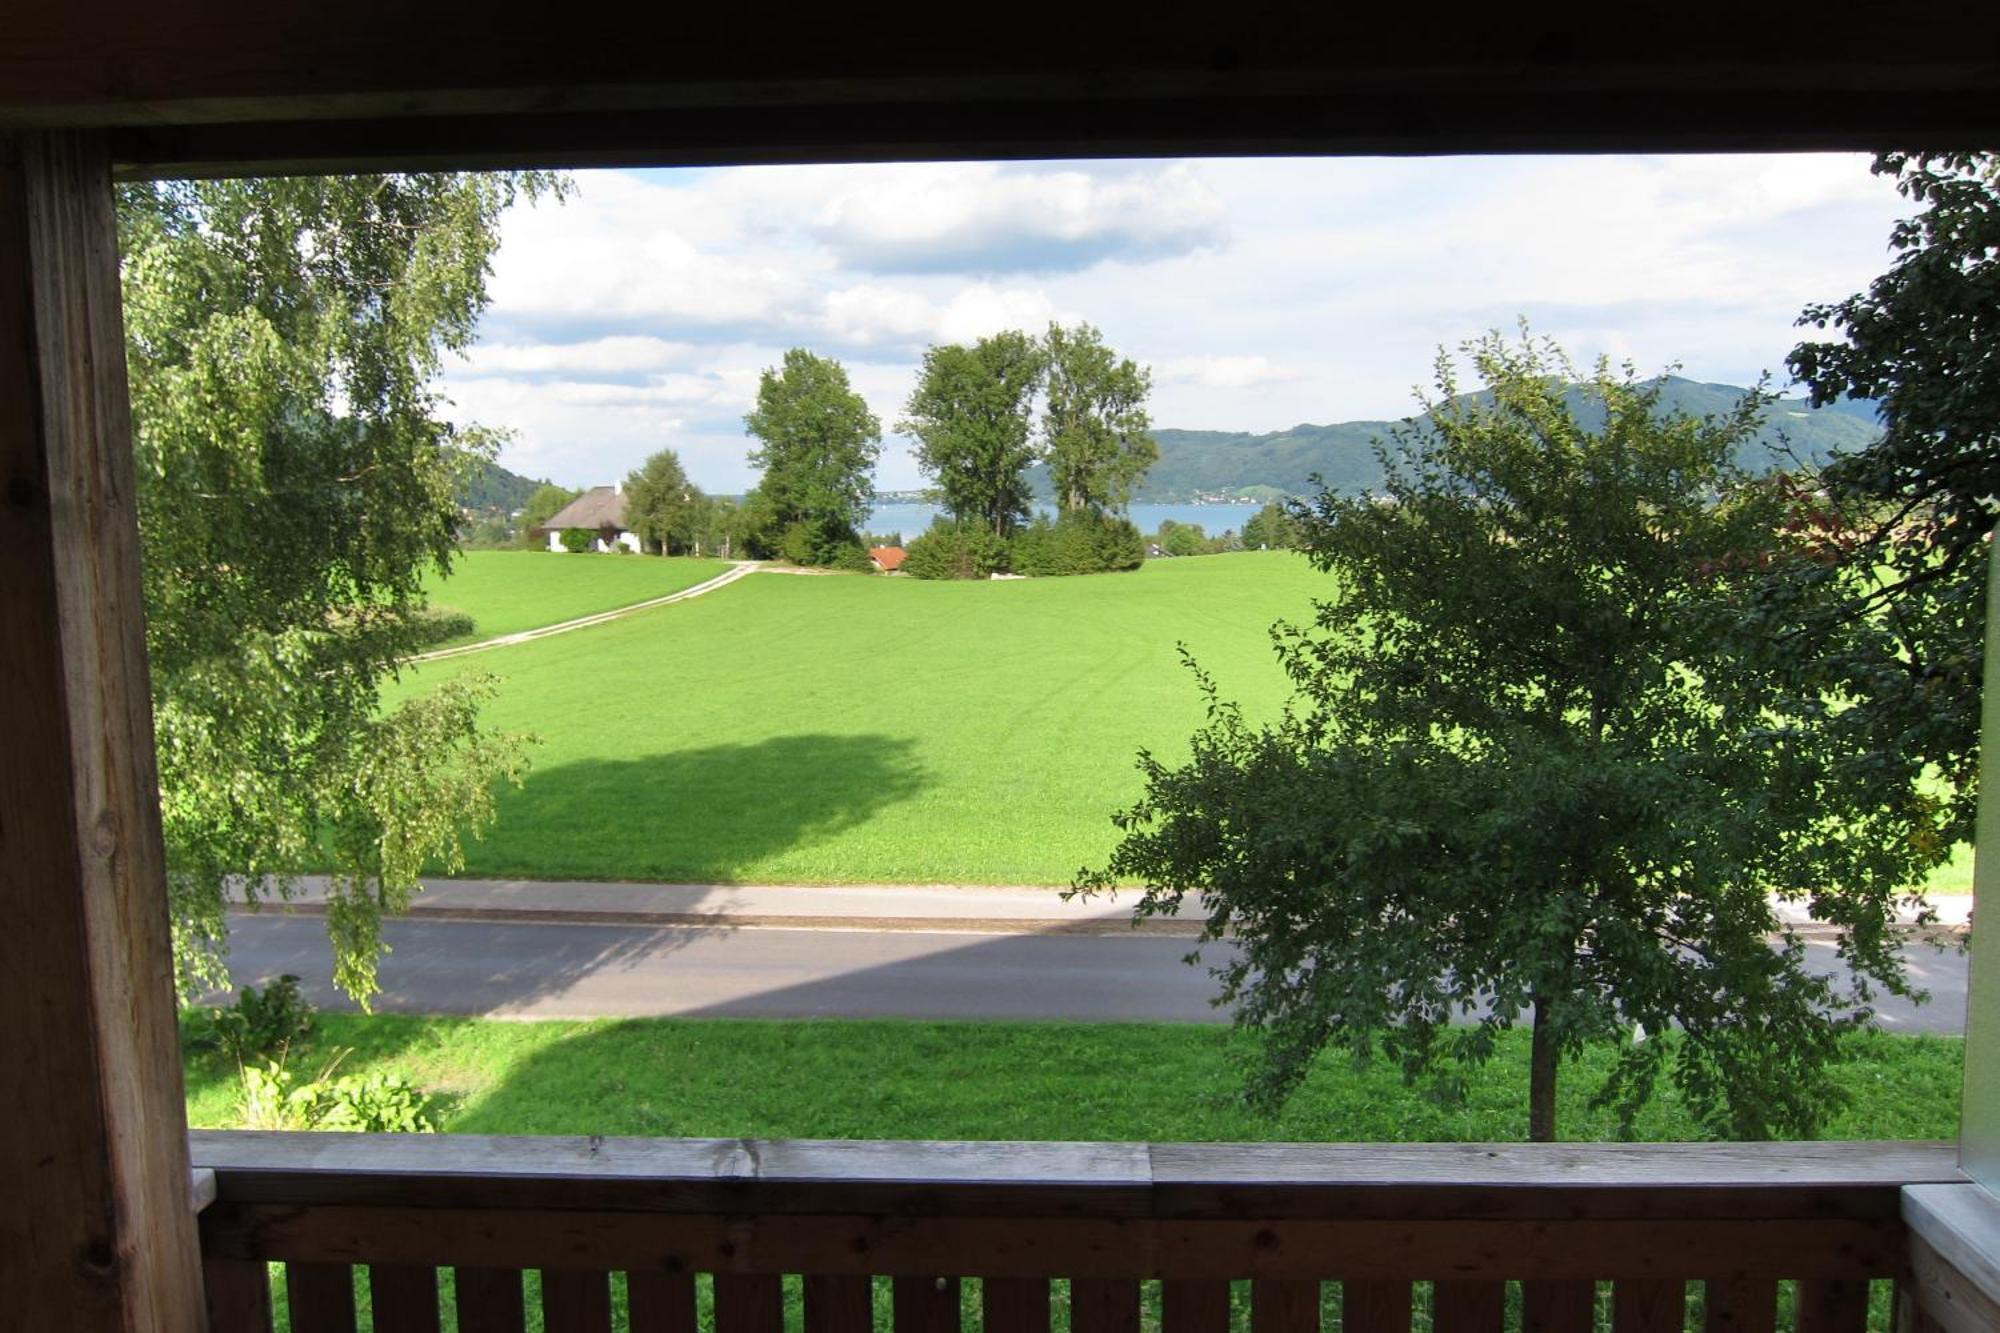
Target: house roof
x=890, y=558
x=598, y=507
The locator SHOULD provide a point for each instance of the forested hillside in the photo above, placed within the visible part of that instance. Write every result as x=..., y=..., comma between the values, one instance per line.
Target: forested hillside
x=1208, y=463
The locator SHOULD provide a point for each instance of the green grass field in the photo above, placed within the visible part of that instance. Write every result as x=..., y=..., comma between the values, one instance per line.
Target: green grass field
x=898, y=1080
x=852, y=729
x=508, y=591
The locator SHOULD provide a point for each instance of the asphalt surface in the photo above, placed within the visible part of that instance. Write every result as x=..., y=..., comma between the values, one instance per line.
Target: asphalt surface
x=544, y=969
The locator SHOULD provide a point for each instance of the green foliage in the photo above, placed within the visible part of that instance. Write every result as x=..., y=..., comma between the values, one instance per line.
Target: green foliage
x=439, y=624
x=663, y=506
x=577, y=540
x=1183, y=539
x=1078, y=542
x=1271, y=528
x=817, y=445
x=962, y=549
x=1094, y=424
x=1902, y=525
x=272, y=1097
x=971, y=416
x=1545, y=758
x=295, y=483
x=488, y=487
x=542, y=505
x=261, y=1025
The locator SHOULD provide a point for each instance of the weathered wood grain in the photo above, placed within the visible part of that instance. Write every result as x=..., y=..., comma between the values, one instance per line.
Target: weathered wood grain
x=1375, y=1307
x=1014, y=1304
x=1468, y=1307
x=403, y=1298
x=94, y=1175
x=320, y=1297
x=1742, y=1303
x=239, y=1295
x=1833, y=1305
x=749, y=1303
x=576, y=1300
x=1194, y=1306
x=490, y=1298
x=1104, y=1305
x=1558, y=1307
x=925, y=1304
x=659, y=1302
x=1023, y=1247
x=1649, y=1306
x=1278, y=1306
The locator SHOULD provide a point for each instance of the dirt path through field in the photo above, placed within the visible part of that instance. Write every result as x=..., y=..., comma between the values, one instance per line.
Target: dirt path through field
x=724, y=579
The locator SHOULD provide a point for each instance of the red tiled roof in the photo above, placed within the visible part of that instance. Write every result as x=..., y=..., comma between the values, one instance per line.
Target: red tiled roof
x=888, y=559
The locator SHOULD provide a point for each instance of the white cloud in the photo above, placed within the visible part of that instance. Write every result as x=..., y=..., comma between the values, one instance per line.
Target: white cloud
x=1263, y=292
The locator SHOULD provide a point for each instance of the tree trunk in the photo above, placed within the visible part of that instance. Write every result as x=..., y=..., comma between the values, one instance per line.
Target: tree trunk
x=1542, y=1060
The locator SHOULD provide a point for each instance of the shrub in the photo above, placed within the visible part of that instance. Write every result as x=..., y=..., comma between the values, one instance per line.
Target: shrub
x=435, y=624
x=1085, y=543
x=273, y=1098
x=575, y=540
x=260, y=1025
x=953, y=550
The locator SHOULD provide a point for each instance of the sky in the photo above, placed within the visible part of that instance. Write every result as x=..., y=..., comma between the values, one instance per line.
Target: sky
x=1263, y=293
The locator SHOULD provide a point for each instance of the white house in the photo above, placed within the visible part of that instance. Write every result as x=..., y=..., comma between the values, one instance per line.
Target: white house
x=599, y=511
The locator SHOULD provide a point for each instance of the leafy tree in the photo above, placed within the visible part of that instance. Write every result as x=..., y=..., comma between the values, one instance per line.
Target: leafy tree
x=1271, y=527
x=662, y=505
x=1903, y=525
x=543, y=505
x=817, y=445
x=1094, y=426
x=971, y=414
x=295, y=485
x=1182, y=538
x=1545, y=760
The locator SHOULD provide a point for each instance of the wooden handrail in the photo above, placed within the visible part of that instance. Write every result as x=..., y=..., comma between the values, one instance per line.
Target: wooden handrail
x=1375, y=1217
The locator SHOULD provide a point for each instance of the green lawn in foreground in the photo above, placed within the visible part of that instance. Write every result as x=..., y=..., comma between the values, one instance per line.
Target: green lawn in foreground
x=854, y=729
x=888, y=1079
x=508, y=591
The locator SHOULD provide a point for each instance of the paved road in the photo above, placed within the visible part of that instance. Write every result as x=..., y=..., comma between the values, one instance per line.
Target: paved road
x=557, y=970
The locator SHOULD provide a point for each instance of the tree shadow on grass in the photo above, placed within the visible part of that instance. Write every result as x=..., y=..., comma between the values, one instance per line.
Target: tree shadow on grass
x=707, y=815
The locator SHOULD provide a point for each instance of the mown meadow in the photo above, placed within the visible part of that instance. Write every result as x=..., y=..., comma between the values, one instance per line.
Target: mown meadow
x=856, y=729
x=508, y=591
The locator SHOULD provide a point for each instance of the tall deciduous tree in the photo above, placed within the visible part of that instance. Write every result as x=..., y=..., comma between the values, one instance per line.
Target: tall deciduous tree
x=1905, y=522
x=1545, y=760
x=295, y=485
x=1094, y=425
x=817, y=445
x=662, y=505
x=972, y=416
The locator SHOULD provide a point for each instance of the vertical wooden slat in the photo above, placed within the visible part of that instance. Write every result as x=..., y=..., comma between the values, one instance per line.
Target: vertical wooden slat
x=1468, y=1307
x=1194, y=1307
x=320, y=1297
x=489, y=1298
x=576, y=1300
x=1558, y=1307
x=749, y=1303
x=239, y=1295
x=660, y=1302
x=843, y=1304
x=100, y=1231
x=1740, y=1305
x=1013, y=1305
x=403, y=1297
x=1375, y=1307
x=1834, y=1306
x=925, y=1305
x=1284, y=1307
x=1648, y=1307
x=1104, y=1305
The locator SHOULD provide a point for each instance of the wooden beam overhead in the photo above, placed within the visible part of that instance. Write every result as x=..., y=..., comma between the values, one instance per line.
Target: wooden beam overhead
x=235, y=86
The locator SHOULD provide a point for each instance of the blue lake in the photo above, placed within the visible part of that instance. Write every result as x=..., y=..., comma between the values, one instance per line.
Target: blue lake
x=1215, y=519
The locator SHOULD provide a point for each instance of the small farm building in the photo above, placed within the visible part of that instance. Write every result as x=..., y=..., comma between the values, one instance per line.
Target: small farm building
x=600, y=511
x=888, y=559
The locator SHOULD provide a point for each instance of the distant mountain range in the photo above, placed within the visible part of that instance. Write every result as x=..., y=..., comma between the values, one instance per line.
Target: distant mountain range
x=1211, y=464
x=1218, y=464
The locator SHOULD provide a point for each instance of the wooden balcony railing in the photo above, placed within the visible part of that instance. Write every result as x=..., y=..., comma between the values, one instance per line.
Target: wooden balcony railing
x=1468, y=1220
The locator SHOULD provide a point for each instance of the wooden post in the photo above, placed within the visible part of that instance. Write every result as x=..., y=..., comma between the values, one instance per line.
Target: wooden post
x=97, y=1231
